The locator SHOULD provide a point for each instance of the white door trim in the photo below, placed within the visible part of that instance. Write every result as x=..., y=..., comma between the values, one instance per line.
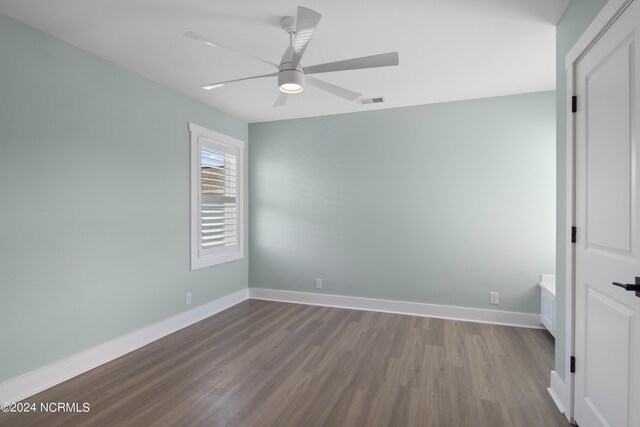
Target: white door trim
x=600, y=24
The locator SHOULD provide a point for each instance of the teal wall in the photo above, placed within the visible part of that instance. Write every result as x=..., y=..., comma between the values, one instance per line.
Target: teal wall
x=575, y=20
x=438, y=203
x=94, y=201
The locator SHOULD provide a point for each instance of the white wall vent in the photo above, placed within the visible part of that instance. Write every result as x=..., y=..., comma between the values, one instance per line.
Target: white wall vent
x=376, y=100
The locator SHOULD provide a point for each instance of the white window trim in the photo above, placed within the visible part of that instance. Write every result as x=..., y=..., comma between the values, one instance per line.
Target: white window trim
x=198, y=261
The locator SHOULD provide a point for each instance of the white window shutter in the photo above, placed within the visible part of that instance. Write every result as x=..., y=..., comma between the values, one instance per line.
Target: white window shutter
x=218, y=207
x=216, y=198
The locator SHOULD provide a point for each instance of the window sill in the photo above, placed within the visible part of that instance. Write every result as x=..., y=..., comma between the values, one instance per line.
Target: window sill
x=217, y=259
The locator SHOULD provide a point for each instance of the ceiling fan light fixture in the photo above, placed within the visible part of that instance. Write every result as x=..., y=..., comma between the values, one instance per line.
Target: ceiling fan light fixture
x=291, y=81
x=291, y=88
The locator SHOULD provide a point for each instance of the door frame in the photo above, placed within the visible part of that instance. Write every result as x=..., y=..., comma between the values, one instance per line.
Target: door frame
x=609, y=13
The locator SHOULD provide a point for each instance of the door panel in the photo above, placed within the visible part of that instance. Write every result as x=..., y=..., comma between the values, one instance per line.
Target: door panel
x=607, y=356
x=607, y=328
x=608, y=109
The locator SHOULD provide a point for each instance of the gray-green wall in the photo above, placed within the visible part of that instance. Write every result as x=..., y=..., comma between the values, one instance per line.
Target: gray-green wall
x=94, y=201
x=575, y=20
x=438, y=203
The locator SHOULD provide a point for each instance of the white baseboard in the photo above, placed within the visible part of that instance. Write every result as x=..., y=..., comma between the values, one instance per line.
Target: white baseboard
x=496, y=317
x=558, y=392
x=34, y=382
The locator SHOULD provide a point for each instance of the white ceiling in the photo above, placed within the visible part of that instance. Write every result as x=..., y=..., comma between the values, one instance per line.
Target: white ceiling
x=449, y=49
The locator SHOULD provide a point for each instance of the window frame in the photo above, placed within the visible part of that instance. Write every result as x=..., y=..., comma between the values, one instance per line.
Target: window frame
x=197, y=259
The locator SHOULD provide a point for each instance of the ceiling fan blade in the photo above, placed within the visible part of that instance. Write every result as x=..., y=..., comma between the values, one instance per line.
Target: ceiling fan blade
x=218, y=84
x=214, y=43
x=347, y=94
x=306, y=23
x=381, y=60
x=280, y=100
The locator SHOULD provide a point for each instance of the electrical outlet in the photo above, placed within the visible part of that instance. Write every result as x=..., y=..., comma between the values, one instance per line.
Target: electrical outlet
x=494, y=297
x=318, y=283
x=187, y=298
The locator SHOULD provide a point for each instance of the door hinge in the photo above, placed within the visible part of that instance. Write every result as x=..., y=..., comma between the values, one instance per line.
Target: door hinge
x=574, y=104
x=572, y=364
x=574, y=234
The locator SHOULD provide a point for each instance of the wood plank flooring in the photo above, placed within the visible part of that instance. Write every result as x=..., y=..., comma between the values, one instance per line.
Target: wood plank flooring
x=264, y=363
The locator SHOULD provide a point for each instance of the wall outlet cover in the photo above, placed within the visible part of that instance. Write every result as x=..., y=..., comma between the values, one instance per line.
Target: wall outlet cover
x=494, y=297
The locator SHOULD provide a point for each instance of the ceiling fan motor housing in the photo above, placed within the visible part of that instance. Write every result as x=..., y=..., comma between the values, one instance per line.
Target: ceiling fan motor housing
x=291, y=78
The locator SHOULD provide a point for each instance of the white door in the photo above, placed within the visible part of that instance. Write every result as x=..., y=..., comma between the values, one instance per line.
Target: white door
x=607, y=328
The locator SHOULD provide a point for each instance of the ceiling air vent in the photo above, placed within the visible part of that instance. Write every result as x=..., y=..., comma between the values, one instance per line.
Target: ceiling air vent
x=376, y=100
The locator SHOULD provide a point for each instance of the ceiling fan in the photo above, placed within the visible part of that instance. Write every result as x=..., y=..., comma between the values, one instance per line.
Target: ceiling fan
x=291, y=74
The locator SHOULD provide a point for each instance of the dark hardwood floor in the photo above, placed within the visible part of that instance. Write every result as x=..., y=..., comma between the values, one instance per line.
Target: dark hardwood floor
x=264, y=363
